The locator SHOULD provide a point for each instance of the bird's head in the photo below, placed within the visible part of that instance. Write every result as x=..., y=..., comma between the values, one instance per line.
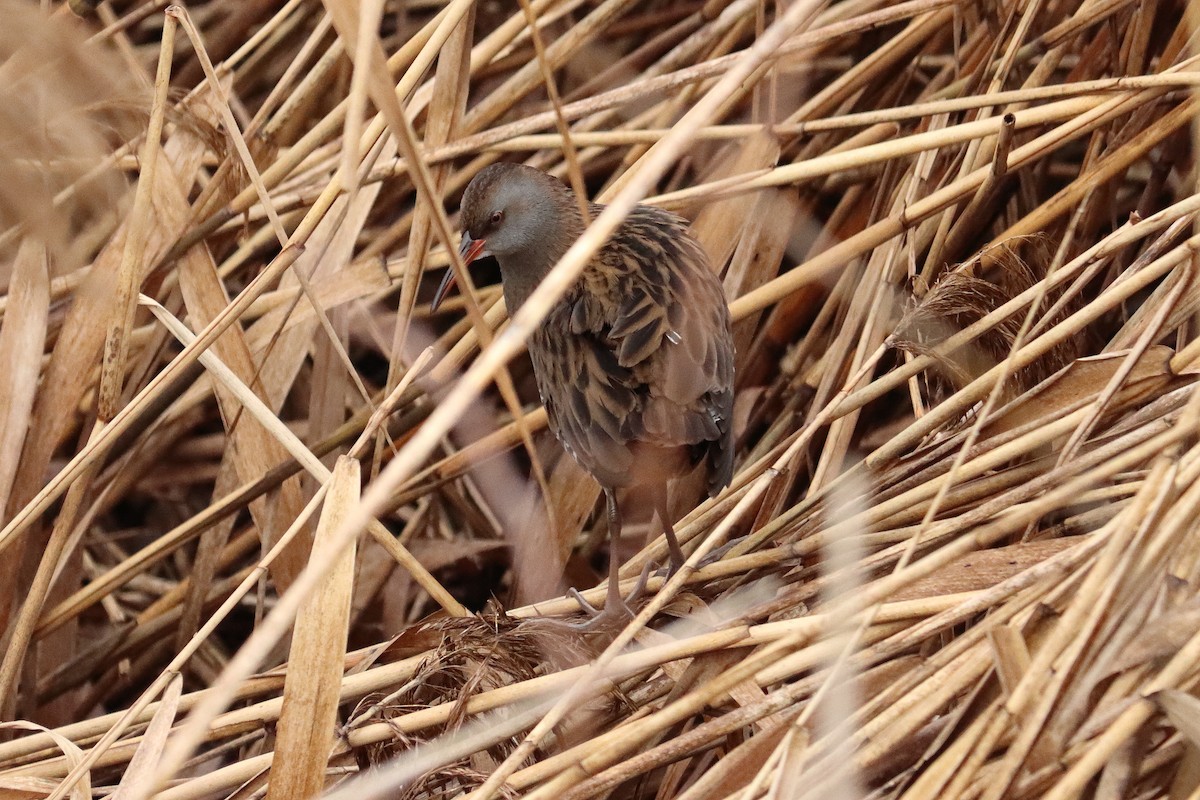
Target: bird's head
x=522, y=216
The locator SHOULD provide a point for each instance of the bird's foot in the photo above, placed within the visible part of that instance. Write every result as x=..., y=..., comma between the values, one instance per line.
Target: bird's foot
x=613, y=615
x=677, y=559
x=617, y=609
x=674, y=563
x=720, y=552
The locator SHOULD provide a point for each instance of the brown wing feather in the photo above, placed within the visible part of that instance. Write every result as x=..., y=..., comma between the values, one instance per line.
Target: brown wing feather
x=650, y=358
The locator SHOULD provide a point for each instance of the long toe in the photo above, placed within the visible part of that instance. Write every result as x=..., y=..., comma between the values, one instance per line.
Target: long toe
x=719, y=553
x=617, y=610
x=613, y=616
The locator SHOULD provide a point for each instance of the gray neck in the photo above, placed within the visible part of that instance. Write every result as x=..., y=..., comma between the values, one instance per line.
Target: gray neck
x=523, y=269
x=519, y=282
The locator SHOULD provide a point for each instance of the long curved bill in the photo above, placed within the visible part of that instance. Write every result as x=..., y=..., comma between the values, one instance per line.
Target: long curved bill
x=469, y=250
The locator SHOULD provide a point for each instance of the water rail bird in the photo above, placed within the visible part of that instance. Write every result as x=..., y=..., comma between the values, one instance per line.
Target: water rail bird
x=634, y=364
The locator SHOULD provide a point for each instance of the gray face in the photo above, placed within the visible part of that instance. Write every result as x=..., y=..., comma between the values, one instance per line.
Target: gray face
x=517, y=211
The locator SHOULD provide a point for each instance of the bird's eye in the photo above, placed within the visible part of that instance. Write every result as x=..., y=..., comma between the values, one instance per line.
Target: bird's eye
x=496, y=218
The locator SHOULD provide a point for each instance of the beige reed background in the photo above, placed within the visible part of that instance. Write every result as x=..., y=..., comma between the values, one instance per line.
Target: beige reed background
x=271, y=528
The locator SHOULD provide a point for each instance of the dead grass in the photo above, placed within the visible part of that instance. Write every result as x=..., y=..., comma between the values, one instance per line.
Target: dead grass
x=272, y=529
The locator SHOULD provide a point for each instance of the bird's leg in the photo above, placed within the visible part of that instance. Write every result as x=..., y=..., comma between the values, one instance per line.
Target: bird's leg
x=614, y=599
x=616, y=607
x=673, y=548
x=623, y=603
